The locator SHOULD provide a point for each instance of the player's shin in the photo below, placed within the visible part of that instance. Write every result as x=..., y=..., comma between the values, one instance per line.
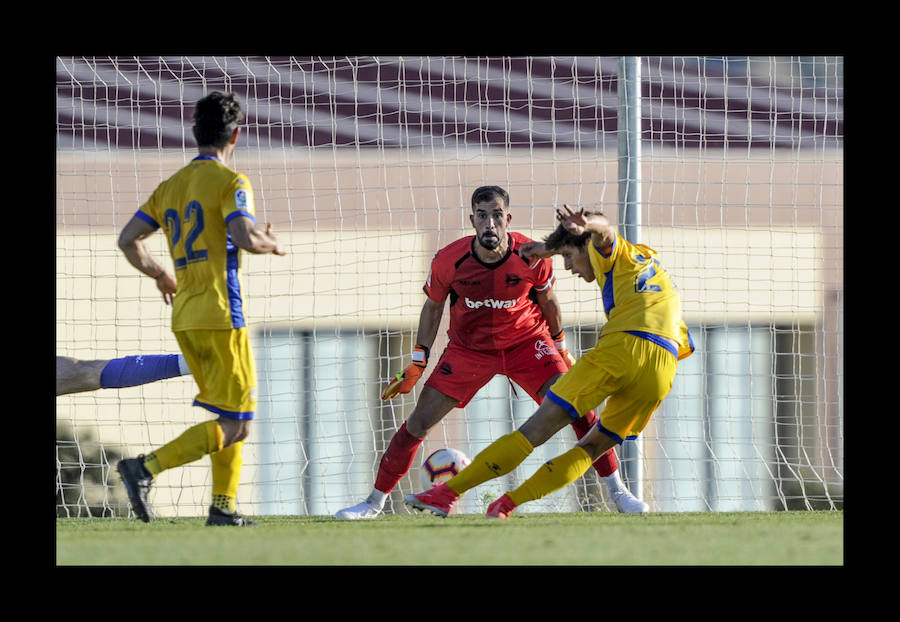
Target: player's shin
x=226, y=475
x=553, y=475
x=397, y=459
x=194, y=443
x=499, y=458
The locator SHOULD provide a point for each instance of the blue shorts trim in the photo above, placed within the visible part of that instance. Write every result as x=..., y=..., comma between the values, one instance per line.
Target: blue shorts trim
x=574, y=414
x=660, y=341
x=230, y=414
x=618, y=439
x=553, y=397
x=610, y=434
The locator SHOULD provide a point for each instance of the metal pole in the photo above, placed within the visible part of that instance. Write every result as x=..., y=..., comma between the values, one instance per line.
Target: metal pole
x=629, y=142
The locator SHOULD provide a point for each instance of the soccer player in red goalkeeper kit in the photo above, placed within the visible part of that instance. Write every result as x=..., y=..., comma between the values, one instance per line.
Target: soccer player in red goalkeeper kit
x=504, y=319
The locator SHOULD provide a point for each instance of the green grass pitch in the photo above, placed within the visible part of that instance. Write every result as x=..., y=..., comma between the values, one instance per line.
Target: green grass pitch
x=599, y=538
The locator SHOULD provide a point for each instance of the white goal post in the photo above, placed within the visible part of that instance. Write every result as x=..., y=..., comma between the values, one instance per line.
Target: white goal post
x=365, y=166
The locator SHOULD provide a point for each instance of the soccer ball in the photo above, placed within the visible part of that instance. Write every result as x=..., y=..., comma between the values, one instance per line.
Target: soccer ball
x=442, y=465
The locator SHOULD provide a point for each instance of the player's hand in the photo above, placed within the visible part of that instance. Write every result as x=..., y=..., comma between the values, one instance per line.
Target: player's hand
x=574, y=222
x=407, y=379
x=279, y=249
x=534, y=250
x=559, y=341
x=567, y=357
x=165, y=283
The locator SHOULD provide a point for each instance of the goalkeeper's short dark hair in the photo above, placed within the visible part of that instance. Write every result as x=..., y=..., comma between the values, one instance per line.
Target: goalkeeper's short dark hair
x=483, y=194
x=563, y=237
x=215, y=118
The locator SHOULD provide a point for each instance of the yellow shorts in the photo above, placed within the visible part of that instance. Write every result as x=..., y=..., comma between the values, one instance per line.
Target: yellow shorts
x=223, y=368
x=631, y=373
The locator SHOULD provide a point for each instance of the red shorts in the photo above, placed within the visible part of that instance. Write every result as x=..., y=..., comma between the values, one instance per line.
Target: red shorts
x=461, y=372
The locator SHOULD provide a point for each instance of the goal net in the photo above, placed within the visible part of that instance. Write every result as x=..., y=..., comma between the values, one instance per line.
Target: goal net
x=365, y=167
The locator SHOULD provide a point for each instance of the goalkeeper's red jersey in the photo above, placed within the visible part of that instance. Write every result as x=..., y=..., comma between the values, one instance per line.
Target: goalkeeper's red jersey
x=492, y=306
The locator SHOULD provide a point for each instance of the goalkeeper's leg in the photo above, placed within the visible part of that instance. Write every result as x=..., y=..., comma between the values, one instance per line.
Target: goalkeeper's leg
x=398, y=458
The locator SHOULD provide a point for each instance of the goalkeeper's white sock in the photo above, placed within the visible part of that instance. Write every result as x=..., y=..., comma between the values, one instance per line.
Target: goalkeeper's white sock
x=376, y=499
x=614, y=482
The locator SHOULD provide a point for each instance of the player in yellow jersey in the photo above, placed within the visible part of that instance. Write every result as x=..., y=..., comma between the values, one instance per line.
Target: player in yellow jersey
x=207, y=212
x=631, y=367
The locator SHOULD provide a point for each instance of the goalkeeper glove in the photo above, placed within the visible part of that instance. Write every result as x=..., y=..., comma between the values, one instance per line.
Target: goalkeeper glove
x=406, y=379
x=559, y=340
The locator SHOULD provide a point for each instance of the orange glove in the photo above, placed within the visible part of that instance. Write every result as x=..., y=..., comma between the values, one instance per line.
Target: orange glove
x=407, y=379
x=559, y=340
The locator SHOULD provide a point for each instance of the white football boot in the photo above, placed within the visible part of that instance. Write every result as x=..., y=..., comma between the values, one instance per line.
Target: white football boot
x=361, y=511
x=627, y=503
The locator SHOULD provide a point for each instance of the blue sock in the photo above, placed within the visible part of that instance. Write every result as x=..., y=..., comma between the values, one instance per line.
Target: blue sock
x=131, y=371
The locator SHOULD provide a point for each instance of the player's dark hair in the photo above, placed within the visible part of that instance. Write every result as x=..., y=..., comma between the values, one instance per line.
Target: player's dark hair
x=215, y=119
x=563, y=237
x=484, y=194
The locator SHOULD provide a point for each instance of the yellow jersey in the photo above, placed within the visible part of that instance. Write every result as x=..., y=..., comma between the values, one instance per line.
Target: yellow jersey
x=639, y=296
x=194, y=207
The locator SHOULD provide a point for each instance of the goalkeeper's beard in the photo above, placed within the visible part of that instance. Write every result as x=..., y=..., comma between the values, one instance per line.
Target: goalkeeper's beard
x=490, y=243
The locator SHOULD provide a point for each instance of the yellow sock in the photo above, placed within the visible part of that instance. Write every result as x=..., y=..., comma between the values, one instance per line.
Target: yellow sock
x=225, y=503
x=499, y=458
x=193, y=444
x=553, y=475
x=226, y=474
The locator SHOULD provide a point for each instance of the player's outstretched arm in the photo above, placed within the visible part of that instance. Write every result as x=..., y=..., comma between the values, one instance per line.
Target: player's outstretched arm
x=533, y=252
x=602, y=233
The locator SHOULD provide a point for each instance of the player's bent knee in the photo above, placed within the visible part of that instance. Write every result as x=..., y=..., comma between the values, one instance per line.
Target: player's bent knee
x=233, y=430
x=596, y=443
x=420, y=422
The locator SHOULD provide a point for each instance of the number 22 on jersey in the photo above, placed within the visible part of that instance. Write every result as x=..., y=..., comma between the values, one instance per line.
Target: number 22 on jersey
x=191, y=226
